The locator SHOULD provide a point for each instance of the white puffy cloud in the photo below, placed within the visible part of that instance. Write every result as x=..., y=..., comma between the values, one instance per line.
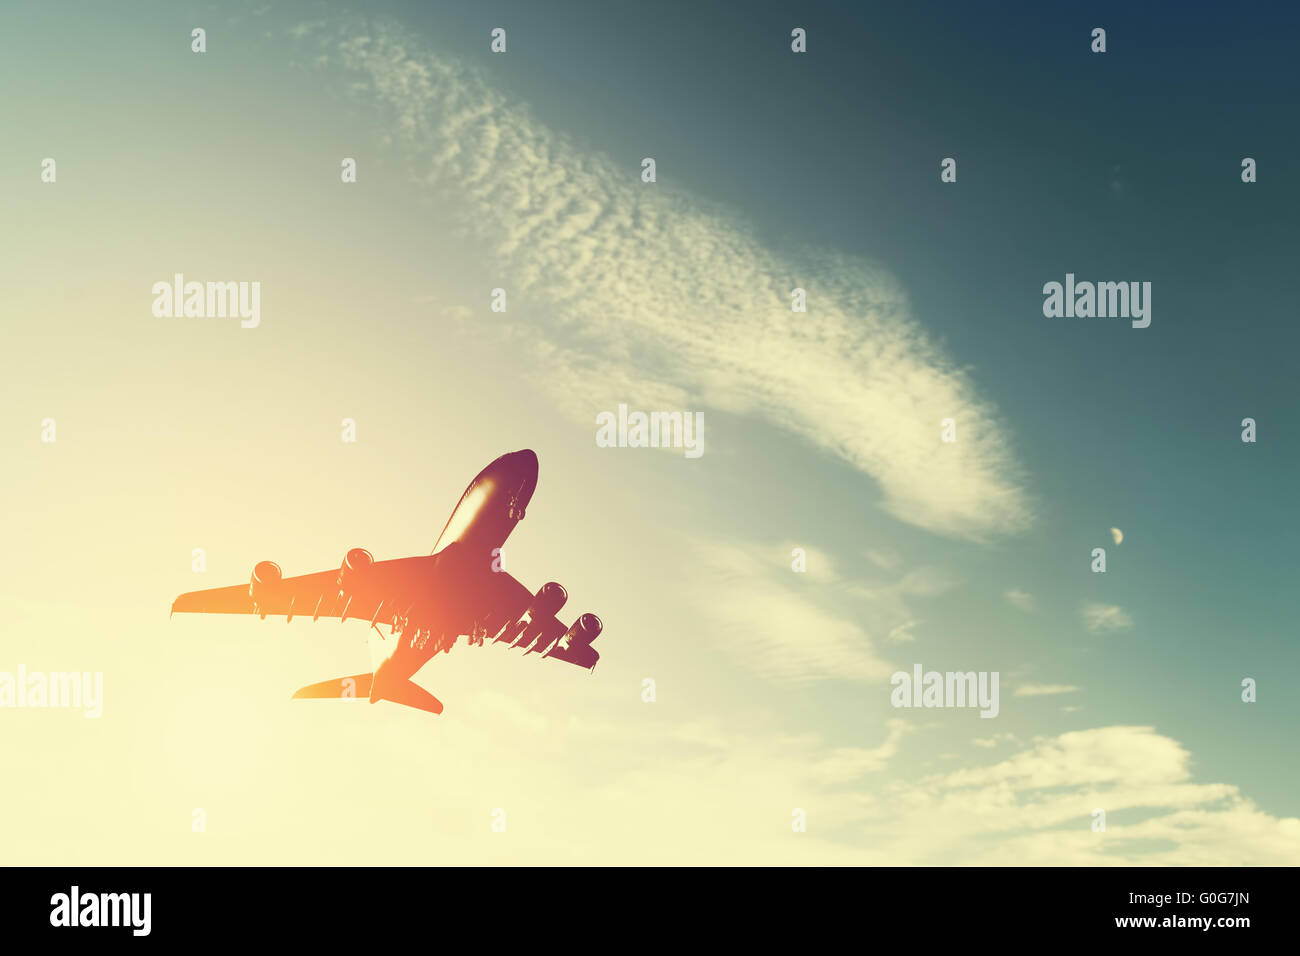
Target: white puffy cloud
x=728, y=797
x=1035, y=808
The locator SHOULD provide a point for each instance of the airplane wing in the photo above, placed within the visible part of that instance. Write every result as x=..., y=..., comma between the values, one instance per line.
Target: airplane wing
x=391, y=586
x=500, y=608
x=528, y=621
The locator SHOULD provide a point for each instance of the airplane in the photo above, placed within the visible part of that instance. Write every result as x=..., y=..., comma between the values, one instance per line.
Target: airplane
x=460, y=589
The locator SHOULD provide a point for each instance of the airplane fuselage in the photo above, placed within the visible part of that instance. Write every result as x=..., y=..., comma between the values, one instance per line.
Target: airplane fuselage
x=468, y=548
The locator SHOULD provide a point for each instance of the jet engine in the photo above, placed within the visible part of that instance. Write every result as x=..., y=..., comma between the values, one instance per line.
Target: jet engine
x=549, y=599
x=261, y=586
x=352, y=575
x=353, y=570
x=575, y=647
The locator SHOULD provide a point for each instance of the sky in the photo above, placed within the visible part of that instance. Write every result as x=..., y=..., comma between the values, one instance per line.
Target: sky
x=771, y=736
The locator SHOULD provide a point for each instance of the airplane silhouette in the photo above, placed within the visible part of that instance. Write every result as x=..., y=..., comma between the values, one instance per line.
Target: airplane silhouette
x=430, y=600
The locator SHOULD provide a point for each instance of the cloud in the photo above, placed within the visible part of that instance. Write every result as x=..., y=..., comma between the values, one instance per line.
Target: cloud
x=634, y=785
x=903, y=632
x=686, y=301
x=818, y=565
x=883, y=559
x=1041, y=690
x=888, y=604
x=1105, y=617
x=1135, y=755
x=1035, y=808
x=1020, y=599
x=764, y=613
x=724, y=792
x=925, y=581
x=846, y=764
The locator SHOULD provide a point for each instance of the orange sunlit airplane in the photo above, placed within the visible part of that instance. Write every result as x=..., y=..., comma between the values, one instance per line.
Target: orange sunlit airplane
x=429, y=600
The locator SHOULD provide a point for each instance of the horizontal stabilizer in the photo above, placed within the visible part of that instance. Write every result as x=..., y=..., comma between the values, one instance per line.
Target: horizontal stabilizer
x=356, y=687
x=411, y=694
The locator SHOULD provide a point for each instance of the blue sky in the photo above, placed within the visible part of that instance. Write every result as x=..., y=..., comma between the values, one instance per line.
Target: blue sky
x=774, y=170
x=1122, y=165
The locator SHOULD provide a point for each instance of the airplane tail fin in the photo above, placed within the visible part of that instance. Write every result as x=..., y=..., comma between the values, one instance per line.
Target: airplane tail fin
x=356, y=687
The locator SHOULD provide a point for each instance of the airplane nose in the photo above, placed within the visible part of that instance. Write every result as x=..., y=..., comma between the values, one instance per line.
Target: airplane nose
x=493, y=502
x=523, y=466
x=525, y=461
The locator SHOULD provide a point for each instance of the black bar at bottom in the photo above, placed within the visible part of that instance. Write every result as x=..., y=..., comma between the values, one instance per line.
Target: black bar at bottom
x=333, y=906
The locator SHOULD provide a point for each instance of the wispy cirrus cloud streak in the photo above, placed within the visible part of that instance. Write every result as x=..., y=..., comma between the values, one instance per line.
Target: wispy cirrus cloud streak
x=1105, y=617
x=1020, y=599
x=685, y=301
x=1042, y=690
x=770, y=621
